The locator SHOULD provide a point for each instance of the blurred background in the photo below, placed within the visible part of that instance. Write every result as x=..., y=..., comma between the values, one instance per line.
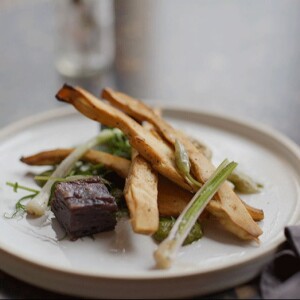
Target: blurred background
x=236, y=57
x=239, y=58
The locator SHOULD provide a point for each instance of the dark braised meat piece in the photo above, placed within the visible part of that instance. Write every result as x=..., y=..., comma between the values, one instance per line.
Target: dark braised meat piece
x=84, y=207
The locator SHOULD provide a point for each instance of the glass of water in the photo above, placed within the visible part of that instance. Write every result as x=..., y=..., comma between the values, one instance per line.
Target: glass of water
x=85, y=43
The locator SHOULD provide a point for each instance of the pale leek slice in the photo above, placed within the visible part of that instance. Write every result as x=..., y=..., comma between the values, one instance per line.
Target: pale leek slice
x=38, y=205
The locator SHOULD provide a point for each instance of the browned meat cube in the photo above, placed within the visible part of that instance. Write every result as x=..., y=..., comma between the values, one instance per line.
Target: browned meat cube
x=84, y=207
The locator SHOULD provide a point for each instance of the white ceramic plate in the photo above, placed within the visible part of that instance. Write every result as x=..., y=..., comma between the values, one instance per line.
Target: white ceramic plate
x=120, y=264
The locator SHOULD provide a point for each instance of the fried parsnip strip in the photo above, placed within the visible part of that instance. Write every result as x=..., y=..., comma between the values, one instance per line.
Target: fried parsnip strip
x=52, y=157
x=141, y=112
x=255, y=213
x=141, y=195
x=229, y=209
x=152, y=149
x=171, y=198
x=138, y=110
x=238, y=221
x=140, y=192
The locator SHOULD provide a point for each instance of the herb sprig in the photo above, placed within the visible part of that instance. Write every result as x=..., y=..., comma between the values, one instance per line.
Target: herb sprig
x=20, y=207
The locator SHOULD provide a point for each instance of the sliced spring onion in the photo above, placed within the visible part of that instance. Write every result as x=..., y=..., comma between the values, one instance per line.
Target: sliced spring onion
x=167, y=250
x=183, y=164
x=38, y=205
x=244, y=184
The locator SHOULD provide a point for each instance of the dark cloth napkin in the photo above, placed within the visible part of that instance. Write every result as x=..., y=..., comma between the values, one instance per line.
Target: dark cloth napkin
x=281, y=278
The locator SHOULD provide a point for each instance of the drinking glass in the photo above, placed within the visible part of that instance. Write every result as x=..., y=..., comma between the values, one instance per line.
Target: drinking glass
x=84, y=42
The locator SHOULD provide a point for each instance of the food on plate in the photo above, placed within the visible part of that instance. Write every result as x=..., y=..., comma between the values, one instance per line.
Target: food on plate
x=166, y=252
x=243, y=183
x=228, y=208
x=183, y=164
x=158, y=153
x=38, y=205
x=171, y=198
x=84, y=206
x=165, y=226
x=165, y=180
x=140, y=192
x=52, y=157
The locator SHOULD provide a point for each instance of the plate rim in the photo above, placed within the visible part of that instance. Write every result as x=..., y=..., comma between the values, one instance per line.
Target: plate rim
x=249, y=124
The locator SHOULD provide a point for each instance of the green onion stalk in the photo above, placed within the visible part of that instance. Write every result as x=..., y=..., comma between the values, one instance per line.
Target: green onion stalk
x=167, y=250
x=38, y=205
x=183, y=164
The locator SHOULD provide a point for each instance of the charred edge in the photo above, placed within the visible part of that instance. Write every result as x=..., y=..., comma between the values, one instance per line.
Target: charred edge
x=61, y=96
x=106, y=93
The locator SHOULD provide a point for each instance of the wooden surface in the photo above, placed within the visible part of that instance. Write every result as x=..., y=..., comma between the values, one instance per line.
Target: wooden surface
x=240, y=58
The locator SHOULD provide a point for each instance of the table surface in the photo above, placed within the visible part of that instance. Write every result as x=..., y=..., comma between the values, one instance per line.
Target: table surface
x=239, y=58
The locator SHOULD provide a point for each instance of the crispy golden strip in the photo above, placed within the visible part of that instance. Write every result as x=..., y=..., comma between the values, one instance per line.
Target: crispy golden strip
x=140, y=111
x=152, y=149
x=141, y=195
x=171, y=198
x=237, y=220
x=228, y=207
x=255, y=213
x=52, y=157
